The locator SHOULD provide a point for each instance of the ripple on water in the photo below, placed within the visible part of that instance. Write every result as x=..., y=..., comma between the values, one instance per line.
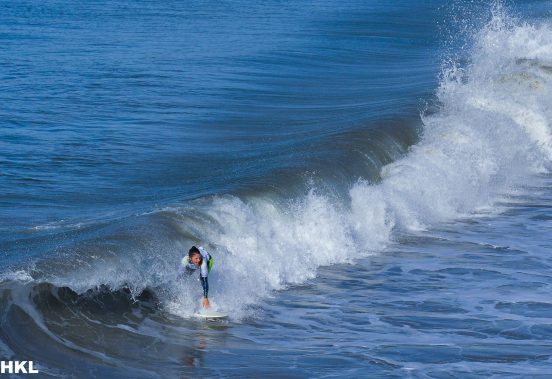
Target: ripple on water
x=526, y=308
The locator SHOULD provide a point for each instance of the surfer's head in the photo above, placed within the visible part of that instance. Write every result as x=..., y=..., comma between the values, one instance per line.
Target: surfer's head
x=194, y=256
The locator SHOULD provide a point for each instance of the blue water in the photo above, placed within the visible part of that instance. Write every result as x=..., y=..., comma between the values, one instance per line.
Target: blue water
x=165, y=102
x=373, y=181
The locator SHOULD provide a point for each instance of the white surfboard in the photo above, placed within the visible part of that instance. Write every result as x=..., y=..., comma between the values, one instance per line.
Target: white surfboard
x=209, y=314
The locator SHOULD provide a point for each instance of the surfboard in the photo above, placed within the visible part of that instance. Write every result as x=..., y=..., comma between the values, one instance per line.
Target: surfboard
x=209, y=314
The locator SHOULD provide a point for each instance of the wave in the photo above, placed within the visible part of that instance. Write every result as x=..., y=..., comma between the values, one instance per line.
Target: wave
x=78, y=329
x=488, y=136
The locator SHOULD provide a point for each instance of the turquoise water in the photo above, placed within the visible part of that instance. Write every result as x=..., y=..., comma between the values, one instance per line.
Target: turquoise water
x=372, y=179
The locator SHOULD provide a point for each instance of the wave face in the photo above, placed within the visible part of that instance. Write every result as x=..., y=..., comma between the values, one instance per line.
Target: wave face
x=113, y=110
x=487, y=138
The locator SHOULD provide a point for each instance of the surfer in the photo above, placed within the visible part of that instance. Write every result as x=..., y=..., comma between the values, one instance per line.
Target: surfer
x=199, y=258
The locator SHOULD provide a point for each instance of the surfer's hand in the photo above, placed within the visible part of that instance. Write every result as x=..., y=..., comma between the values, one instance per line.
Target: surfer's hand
x=206, y=302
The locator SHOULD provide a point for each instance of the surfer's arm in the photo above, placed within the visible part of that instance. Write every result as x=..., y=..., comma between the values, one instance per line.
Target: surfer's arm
x=205, y=285
x=204, y=272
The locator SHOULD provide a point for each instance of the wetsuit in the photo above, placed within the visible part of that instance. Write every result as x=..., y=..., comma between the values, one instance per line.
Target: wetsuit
x=204, y=268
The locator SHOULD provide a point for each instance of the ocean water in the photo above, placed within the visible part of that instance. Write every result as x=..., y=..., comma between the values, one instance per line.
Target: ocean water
x=372, y=178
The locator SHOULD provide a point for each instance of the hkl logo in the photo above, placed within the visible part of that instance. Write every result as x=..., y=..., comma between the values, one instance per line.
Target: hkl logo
x=17, y=367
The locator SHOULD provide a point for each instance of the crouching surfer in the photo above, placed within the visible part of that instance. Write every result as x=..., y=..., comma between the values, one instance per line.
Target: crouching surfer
x=199, y=259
